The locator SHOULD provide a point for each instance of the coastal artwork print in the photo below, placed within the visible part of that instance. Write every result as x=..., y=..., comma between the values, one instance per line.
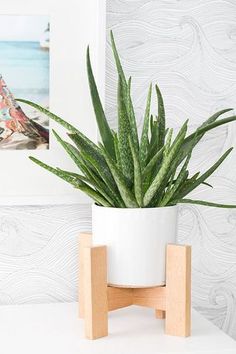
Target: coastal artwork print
x=24, y=73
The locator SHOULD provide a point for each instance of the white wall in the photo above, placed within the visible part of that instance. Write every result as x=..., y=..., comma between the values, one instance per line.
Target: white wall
x=190, y=48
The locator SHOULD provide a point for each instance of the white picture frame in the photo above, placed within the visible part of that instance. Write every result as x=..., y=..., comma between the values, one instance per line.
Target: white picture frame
x=73, y=25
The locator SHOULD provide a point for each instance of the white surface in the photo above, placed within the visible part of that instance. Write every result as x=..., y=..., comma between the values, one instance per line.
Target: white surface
x=137, y=248
x=55, y=329
x=73, y=25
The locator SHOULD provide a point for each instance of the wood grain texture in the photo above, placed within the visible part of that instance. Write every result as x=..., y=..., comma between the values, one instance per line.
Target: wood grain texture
x=150, y=297
x=160, y=314
x=154, y=297
x=119, y=297
x=95, y=290
x=172, y=301
x=189, y=48
x=178, y=290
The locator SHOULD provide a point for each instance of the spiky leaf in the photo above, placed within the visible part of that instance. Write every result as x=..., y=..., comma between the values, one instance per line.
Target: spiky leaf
x=76, y=182
x=152, y=190
x=51, y=115
x=206, y=203
x=131, y=115
x=102, y=123
x=126, y=194
x=161, y=117
x=143, y=152
x=137, y=175
x=205, y=175
x=123, y=138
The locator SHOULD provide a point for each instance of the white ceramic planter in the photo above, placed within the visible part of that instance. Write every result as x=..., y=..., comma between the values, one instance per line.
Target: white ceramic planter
x=136, y=240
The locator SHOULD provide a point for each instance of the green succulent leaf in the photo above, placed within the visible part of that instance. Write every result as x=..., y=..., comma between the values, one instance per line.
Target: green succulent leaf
x=60, y=173
x=132, y=120
x=93, y=180
x=104, y=176
x=102, y=123
x=196, y=136
x=153, y=162
x=73, y=175
x=168, y=142
x=182, y=177
x=84, y=144
x=206, y=203
x=125, y=171
x=205, y=175
x=203, y=129
x=215, y=116
x=51, y=115
x=98, y=198
x=126, y=93
x=154, y=139
x=118, y=158
x=152, y=190
x=193, y=139
x=76, y=182
x=125, y=192
x=207, y=184
x=72, y=152
x=93, y=153
x=123, y=137
x=117, y=60
x=144, y=138
x=161, y=117
x=137, y=175
x=165, y=184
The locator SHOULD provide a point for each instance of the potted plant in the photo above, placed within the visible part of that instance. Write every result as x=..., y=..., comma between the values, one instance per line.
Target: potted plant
x=136, y=180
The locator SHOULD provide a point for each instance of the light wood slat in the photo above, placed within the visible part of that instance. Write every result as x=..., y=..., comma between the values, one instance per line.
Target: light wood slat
x=151, y=297
x=95, y=288
x=119, y=297
x=160, y=314
x=178, y=290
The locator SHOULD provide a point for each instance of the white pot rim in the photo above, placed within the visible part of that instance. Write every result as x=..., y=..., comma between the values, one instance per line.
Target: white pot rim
x=94, y=205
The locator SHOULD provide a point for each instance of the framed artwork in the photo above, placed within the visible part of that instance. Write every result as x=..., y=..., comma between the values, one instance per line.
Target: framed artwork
x=24, y=70
x=43, y=59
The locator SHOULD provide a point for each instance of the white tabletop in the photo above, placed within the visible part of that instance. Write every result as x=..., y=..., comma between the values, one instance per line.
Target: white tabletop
x=56, y=329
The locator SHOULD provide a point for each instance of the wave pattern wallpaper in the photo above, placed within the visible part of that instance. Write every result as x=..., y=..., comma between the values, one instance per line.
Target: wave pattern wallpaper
x=39, y=252
x=189, y=48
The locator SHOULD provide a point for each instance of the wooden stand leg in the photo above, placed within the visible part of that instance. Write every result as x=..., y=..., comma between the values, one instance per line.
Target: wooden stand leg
x=178, y=290
x=96, y=298
x=95, y=288
x=85, y=240
x=160, y=314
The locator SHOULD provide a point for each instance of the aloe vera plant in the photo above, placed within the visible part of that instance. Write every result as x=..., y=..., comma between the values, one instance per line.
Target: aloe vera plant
x=128, y=171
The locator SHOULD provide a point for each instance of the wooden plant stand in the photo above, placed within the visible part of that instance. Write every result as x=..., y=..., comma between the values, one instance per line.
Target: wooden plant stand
x=96, y=297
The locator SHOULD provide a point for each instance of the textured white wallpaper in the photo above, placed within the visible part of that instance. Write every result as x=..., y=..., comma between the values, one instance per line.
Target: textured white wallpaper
x=39, y=252
x=189, y=48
